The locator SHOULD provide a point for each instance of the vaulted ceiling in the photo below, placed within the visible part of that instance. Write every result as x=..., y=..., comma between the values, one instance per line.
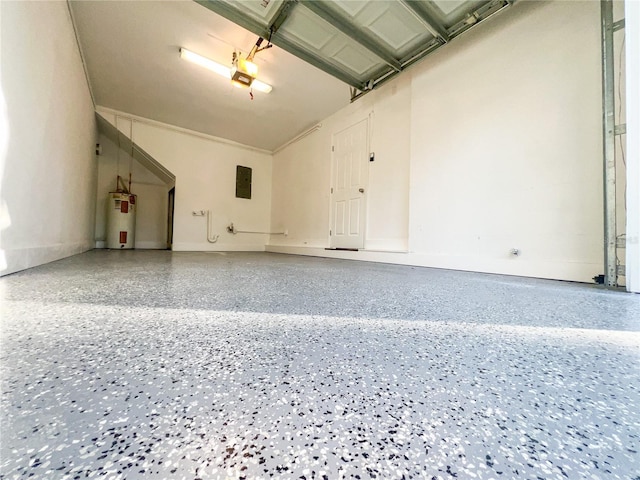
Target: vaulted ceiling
x=325, y=54
x=131, y=51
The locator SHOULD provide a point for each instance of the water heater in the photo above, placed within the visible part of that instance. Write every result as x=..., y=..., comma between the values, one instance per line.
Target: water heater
x=121, y=220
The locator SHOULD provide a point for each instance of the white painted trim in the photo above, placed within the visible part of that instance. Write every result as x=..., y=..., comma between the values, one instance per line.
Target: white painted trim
x=632, y=35
x=216, y=247
x=150, y=245
x=297, y=137
x=109, y=111
x=22, y=258
x=577, y=272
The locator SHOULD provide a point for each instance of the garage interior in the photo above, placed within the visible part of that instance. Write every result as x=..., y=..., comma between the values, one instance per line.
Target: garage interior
x=408, y=249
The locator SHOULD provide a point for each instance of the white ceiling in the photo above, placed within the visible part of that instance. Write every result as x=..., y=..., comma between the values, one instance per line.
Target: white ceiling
x=131, y=50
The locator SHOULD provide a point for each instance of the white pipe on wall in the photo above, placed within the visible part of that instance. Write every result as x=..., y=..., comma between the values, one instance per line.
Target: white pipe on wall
x=232, y=229
x=210, y=239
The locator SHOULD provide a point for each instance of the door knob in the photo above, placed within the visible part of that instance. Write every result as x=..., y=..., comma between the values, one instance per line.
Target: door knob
x=361, y=190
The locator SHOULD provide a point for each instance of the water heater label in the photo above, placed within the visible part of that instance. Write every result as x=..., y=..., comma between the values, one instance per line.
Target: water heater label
x=124, y=207
x=123, y=237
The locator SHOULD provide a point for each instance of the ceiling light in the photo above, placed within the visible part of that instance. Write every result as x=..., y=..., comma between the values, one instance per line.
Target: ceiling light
x=243, y=72
x=205, y=62
x=225, y=71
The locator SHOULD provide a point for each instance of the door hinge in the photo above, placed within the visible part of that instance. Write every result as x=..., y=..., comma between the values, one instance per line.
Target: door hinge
x=333, y=149
x=330, y=233
x=331, y=189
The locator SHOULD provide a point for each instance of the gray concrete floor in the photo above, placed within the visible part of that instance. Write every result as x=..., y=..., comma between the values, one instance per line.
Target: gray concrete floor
x=152, y=364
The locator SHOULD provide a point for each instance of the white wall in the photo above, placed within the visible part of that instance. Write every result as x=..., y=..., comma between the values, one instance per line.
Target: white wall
x=302, y=174
x=510, y=152
x=151, y=202
x=49, y=175
x=300, y=200
x=500, y=135
x=205, y=171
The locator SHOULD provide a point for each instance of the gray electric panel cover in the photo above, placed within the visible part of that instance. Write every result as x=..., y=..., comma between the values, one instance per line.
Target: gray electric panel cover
x=243, y=182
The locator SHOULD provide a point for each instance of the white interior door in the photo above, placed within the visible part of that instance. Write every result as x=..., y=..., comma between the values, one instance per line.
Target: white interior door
x=348, y=191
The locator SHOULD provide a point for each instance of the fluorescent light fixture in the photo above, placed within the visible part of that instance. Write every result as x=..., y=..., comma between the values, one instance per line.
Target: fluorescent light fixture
x=205, y=62
x=261, y=86
x=218, y=68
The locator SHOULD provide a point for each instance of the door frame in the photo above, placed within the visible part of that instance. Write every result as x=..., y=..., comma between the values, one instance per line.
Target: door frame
x=365, y=180
x=171, y=205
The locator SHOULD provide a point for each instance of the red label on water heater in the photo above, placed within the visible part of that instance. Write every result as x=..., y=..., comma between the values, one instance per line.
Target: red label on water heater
x=123, y=237
x=132, y=199
x=124, y=207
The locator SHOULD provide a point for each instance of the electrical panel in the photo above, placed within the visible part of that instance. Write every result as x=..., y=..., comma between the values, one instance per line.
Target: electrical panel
x=243, y=182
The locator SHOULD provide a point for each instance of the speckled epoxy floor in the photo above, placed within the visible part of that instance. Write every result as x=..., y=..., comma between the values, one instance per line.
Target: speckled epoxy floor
x=193, y=365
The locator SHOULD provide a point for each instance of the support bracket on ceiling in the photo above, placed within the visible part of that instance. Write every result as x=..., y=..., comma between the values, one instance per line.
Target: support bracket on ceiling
x=477, y=16
x=355, y=93
x=280, y=16
x=619, y=25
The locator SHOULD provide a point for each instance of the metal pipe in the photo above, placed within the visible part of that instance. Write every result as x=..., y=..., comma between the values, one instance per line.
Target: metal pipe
x=213, y=239
x=608, y=130
x=232, y=229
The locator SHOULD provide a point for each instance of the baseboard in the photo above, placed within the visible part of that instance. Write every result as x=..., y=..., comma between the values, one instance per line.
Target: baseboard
x=570, y=271
x=151, y=245
x=216, y=247
x=143, y=245
x=18, y=259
